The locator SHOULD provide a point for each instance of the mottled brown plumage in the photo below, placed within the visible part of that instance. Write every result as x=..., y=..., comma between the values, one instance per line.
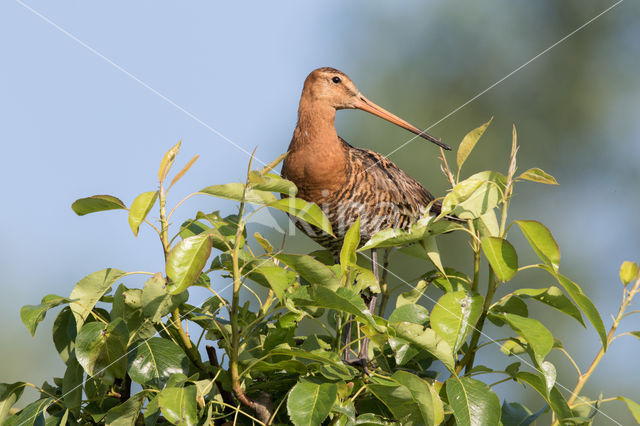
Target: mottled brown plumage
x=345, y=181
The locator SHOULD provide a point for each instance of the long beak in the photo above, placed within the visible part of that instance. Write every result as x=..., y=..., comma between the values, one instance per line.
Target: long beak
x=366, y=105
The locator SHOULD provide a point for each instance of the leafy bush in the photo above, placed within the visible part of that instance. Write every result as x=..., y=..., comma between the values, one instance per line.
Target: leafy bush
x=130, y=360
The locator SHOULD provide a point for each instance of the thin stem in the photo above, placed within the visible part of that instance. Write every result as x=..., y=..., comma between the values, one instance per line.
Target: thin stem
x=181, y=201
x=582, y=380
x=564, y=351
x=500, y=381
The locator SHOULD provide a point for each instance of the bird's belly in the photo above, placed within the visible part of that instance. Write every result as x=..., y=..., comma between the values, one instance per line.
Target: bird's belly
x=343, y=213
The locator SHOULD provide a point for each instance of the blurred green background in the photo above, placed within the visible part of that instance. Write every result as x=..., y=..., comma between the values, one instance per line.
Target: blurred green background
x=74, y=123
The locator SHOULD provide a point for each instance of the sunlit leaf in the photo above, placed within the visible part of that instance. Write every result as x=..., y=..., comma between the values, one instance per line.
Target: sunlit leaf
x=628, y=272
x=264, y=243
x=633, y=406
x=235, y=191
x=309, y=212
x=32, y=414
x=469, y=142
x=420, y=230
x=100, y=349
x=350, y=243
x=583, y=302
x=276, y=278
x=274, y=163
x=89, y=290
x=178, y=405
x=9, y=394
x=412, y=296
x=538, y=175
x=408, y=397
x=273, y=183
x=153, y=361
x=455, y=316
x=475, y=196
x=32, y=315
x=541, y=241
x=473, y=402
x=184, y=170
x=553, y=297
x=311, y=270
x=554, y=397
x=167, y=161
x=426, y=340
x=186, y=261
x=410, y=313
x=140, y=208
x=309, y=403
x=97, y=203
x=537, y=336
x=502, y=257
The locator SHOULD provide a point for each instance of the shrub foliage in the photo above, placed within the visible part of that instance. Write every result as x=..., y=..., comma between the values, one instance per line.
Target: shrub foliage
x=274, y=356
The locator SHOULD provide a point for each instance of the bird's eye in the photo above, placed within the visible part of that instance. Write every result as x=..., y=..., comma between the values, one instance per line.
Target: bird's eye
x=336, y=80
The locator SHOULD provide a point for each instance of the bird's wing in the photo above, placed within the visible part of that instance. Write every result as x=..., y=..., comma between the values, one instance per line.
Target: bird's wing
x=393, y=184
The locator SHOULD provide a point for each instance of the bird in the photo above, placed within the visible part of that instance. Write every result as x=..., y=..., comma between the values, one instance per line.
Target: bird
x=348, y=182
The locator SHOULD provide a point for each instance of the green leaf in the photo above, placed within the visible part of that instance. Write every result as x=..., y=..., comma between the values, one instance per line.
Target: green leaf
x=167, y=161
x=278, y=279
x=420, y=230
x=424, y=396
x=426, y=340
x=178, y=405
x=541, y=241
x=235, y=191
x=554, y=397
x=487, y=224
x=410, y=313
x=72, y=386
x=412, y=296
x=455, y=315
x=272, y=182
x=156, y=300
x=311, y=270
x=186, y=261
x=516, y=414
x=97, y=203
x=628, y=272
x=64, y=333
x=553, y=297
x=350, y=244
x=583, y=302
x=475, y=196
x=266, y=169
x=153, y=361
x=538, y=175
x=10, y=393
x=100, y=349
x=342, y=300
x=140, y=208
x=89, y=290
x=184, y=170
x=309, y=212
x=32, y=315
x=310, y=403
x=502, y=257
x=329, y=362
x=633, y=406
x=264, y=243
x=469, y=141
x=127, y=413
x=538, y=337
x=32, y=414
x=473, y=402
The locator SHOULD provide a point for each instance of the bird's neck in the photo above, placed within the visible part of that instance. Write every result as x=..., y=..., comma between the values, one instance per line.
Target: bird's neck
x=317, y=158
x=316, y=128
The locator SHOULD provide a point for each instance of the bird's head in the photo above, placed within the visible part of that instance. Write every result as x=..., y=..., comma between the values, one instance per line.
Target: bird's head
x=331, y=87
